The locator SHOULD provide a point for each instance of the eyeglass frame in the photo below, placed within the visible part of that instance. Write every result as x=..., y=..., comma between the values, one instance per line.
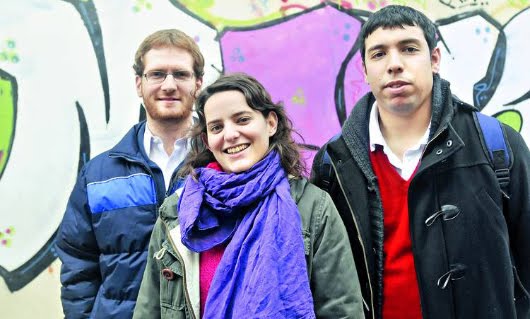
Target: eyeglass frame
x=174, y=75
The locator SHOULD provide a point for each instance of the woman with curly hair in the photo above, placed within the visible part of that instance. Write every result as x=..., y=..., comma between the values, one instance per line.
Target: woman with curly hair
x=248, y=237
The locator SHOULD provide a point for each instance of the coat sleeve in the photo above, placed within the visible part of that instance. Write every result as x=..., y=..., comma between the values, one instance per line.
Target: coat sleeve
x=334, y=281
x=148, y=303
x=518, y=213
x=78, y=251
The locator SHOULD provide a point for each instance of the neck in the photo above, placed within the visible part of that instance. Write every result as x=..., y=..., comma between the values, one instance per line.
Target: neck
x=401, y=132
x=169, y=131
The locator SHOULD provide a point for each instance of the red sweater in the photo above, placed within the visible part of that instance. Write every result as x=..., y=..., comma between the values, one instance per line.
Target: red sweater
x=401, y=298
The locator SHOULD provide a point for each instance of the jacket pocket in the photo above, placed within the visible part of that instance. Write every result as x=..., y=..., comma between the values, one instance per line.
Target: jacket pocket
x=172, y=297
x=521, y=296
x=170, y=312
x=492, y=211
x=520, y=290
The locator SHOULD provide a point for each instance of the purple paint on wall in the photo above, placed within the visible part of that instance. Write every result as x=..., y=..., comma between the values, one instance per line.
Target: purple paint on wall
x=354, y=84
x=298, y=61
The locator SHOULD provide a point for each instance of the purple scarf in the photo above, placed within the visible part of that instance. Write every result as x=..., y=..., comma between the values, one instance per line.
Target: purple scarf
x=263, y=272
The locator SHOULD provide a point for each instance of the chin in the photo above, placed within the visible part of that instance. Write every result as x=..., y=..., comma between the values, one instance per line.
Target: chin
x=238, y=168
x=170, y=117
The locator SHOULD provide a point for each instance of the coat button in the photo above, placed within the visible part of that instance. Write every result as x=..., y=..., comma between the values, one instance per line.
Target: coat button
x=168, y=274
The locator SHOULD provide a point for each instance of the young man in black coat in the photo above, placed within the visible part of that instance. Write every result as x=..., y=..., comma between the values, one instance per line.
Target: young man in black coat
x=433, y=233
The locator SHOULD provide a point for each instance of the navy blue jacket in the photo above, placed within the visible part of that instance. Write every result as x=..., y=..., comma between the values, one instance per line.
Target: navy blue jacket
x=104, y=236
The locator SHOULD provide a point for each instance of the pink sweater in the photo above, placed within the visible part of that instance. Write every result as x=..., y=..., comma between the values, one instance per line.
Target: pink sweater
x=208, y=261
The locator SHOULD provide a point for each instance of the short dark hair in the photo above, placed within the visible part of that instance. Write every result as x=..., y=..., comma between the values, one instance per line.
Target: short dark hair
x=395, y=16
x=258, y=99
x=170, y=38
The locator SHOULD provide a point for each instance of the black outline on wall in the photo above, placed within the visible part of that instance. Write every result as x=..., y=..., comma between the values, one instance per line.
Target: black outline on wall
x=20, y=277
x=88, y=13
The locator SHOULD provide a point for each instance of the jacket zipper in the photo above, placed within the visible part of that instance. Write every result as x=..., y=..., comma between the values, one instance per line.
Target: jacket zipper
x=362, y=245
x=186, y=294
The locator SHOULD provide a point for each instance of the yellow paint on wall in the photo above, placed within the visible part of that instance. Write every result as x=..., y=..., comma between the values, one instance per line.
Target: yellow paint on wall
x=241, y=13
x=39, y=299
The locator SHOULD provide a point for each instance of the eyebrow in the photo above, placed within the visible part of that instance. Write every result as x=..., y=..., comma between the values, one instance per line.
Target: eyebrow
x=400, y=43
x=232, y=116
x=162, y=69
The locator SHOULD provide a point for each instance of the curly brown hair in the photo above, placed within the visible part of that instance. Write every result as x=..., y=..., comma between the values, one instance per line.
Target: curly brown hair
x=258, y=99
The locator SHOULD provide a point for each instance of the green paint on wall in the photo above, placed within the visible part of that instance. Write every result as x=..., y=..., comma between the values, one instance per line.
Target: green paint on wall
x=202, y=9
x=511, y=118
x=7, y=121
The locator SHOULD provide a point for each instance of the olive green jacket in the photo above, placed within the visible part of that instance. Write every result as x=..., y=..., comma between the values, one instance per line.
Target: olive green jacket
x=170, y=286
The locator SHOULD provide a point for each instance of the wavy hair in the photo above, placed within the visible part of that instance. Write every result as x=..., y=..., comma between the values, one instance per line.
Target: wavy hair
x=258, y=99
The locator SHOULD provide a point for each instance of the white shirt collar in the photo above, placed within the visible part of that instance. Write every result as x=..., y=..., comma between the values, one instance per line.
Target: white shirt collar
x=406, y=166
x=154, y=148
x=150, y=138
x=376, y=136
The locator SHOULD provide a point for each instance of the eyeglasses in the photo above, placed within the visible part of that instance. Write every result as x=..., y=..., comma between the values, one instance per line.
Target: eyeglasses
x=157, y=77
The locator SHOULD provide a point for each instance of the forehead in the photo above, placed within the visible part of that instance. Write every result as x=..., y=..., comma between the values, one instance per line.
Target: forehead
x=394, y=35
x=168, y=58
x=225, y=104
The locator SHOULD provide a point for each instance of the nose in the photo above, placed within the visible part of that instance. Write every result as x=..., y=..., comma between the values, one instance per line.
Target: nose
x=231, y=133
x=169, y=83
x=395, y=62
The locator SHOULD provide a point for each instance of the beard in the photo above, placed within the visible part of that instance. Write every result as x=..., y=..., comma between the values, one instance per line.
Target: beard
x=180, y=112
x=171, y=114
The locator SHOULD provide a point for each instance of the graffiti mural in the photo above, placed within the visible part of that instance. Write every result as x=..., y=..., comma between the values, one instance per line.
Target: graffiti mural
x=67, y=86
x=273, y=53
x=8, y=113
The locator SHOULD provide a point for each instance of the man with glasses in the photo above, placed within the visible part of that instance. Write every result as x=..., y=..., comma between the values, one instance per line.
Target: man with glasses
x=103, y=238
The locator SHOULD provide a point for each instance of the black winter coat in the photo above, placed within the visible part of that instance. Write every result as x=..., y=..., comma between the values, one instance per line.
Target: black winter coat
x=476, y=265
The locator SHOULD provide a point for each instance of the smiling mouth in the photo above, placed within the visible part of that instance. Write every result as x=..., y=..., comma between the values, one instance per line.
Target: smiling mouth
x=237, y=149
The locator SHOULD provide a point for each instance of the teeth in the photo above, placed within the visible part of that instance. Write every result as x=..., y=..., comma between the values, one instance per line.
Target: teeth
x=236, y=149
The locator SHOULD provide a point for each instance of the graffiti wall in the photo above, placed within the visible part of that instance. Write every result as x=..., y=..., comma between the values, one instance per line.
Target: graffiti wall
x=67, y=90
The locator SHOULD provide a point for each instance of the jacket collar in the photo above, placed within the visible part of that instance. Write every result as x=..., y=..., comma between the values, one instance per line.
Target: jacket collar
x=442, y=106
x=131, y=145
x=356, y=133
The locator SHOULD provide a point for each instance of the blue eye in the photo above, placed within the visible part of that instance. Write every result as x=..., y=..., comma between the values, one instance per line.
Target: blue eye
x=155, y=75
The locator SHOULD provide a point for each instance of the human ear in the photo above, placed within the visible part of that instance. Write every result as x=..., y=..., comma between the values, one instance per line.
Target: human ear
x=272, y=123
x=139, y=85
x=436, y=57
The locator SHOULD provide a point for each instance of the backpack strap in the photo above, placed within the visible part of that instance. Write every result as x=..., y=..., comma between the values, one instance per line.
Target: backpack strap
x=326, y=168
x=496, y=148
